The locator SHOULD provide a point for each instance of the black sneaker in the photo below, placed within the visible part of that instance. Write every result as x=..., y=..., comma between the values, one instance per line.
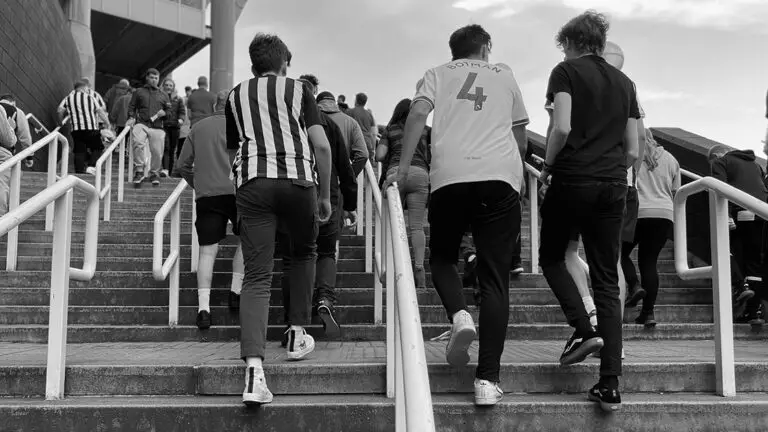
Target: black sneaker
x=756, y=317
x=325, y=310
x=137, y=179
x=470, y=265
x=234, y=301
x=646, y=319
x=610, y=400
x=284, y=341
x=741, y=294
x=154, y=179
x=634, y=296
x=517, y=268
x=579, y=347
x=203, y=320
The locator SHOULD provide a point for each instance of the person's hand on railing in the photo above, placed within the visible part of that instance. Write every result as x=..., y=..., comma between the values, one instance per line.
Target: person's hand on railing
x=731, y=224
x=130, y=122
x=546, y=176
x=324, y=209
x=396, y=176
x=350, y=218
x=29, y=162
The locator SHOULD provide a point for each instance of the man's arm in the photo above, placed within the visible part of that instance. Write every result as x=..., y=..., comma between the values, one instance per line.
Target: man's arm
x=7, y=135
x=641, y=142
x=185, y=166
x=631, y=143
x=561, y=127
x=382, y=149
x=414, y=126
x=347, y=178
x=23, y=135
x=358, y=149
x=521, y=136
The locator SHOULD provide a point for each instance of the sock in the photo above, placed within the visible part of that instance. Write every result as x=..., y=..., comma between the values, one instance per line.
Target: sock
x=253, y=362
x=204, y=299
x=611, y=382
x=589, y=306
x=237, y=283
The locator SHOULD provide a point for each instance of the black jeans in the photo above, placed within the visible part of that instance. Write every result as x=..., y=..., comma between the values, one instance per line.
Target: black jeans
x=171, y=142
x=595, y=210
x=263, y=205
x=325, y=269
x=651, y=234
x=467, y=246
x=87, y=149
x=747, y=258
x=491, y=208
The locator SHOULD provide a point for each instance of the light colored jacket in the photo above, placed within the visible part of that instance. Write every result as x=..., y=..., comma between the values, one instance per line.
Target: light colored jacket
x=353, y=134
x=657, y=185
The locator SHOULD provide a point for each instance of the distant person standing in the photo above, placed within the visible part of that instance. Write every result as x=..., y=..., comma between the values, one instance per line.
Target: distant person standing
x=353, y=135
x=119, y=113
x=184, y=129
x=148, y=107
x=367, y=123
x=115, y=93
x=342, y=103
x=84, y=115
x=200, y=102
x=172, y=124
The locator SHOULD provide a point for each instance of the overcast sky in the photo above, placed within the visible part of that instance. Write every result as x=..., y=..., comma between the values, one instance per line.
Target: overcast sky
x=701, y=65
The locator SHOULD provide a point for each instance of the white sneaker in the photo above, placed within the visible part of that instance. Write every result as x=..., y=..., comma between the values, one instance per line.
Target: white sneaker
x=163, y=173
x=487, y=393
x=91, y=171
x=256, y=391
x=299, y=343
x=462, y=334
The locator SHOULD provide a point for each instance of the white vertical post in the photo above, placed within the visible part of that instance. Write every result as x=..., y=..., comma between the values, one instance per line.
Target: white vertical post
x=194, y=243
x=368, y=226
x=377, y=287
x=389, y=260
x=108, y=183
x=50, y=179
x=173, y=296
x=401, y=424
x=131, y=168
x=57, y=315
x=360, y=200
x=533, y=200
x=121, y=169
x=721, y=282
x=11, y=256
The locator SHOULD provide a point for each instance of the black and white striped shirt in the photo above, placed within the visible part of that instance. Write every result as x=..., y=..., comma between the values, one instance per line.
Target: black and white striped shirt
x=81, y=108
x=267, y=122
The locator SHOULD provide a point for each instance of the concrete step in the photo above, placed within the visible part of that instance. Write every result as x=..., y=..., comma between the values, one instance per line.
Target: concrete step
x=346, y=296
x=375, y=413
x=350, y=332
x=138, y=279
x=221, y=316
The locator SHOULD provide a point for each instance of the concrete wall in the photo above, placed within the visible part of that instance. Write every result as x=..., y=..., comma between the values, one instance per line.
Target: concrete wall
x=38, y=58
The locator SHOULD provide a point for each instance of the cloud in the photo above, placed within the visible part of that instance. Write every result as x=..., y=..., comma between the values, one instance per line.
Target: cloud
x=722, y=14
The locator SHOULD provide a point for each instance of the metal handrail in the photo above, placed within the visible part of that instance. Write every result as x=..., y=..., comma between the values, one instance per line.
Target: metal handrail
x=14, y=163
x=161, y=269
x=40, y=126
x=690, y=175
x=105, y=192
x=61, y=194
x=407, y=373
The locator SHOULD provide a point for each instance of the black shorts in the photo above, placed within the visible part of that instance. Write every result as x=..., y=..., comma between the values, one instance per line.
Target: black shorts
x=631, y=210
x=213, y=213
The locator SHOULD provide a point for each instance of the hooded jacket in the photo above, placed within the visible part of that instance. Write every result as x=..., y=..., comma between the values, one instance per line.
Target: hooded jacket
x=739, y=169
x=114, y=93
x=354, y=140
x=343, y=180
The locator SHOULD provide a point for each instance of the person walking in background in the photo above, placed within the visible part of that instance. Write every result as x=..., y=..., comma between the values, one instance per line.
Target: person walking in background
x=184, y=129
x=478, y=141
x=96, y=96
x=350, y=130
x=592, y=142
x=365, y=119
x=415, y=190
x=115, y=93
x=200, y=102
x=148, y=107
x=205, y=164
x=658, y=179
x=7, y=143
x=342, y=102
x=276, y=189
x=171, y=124
x=18, y=121
x=84, y=117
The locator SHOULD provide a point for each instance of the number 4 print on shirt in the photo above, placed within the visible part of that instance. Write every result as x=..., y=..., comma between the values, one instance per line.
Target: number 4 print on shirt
x=478, y=97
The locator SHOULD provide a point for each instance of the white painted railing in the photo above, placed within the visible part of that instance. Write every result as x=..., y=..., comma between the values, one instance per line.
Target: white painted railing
x=14, y=164
x=162, y=269
x=407, y=375
x=39, y=126
x=105, y=191
x=61, y=195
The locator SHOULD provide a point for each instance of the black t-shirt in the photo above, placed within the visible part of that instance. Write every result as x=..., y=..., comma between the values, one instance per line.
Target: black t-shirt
x=603, y=99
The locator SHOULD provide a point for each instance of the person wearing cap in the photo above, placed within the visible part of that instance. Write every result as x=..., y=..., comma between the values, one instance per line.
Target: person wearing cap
x=147, y=110
x=350, y=130
x=201, y=103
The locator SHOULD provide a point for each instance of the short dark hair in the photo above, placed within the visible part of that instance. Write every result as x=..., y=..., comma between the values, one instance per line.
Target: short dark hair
x=268, y=52
x=80, y=84
x=361, y=99
x=151, y=71
x=468, y=40
x=343, y=98
x=586, y=33
x=187, y=88
x=7, y=97
x=311, y=80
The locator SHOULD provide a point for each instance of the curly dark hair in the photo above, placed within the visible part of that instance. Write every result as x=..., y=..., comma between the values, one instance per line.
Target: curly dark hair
x=585, y=33
x=468, y=40
x=268, y=52
x=310, y=79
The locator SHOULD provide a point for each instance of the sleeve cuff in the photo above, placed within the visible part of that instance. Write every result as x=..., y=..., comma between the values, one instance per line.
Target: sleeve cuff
x=424, y=99
x=521, y=122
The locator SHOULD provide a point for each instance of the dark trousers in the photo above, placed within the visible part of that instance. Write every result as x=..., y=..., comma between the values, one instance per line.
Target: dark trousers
x=595, y=210
x=651, y=234
x=467, y=247
x=491, y=209
x=325, y=268
x=171, y=142
x=87, y=148
x=747, y=258
x=180, y=146
x=263, y=205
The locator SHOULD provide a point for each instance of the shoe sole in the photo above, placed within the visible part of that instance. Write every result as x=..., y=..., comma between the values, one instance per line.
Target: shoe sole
x=298, y=355
x=487, y=402
x=581, y=354
x=635, y=299
x=649, y=324
x=254, y=402
x=605, y=406
x=517, y=271
x=330, y=325
x=456, y=354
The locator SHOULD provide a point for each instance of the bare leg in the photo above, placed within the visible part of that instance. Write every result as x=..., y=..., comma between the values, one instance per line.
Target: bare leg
x=205, y=275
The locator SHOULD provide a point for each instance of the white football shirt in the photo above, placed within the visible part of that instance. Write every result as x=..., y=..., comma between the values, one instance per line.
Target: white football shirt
x=475, y=104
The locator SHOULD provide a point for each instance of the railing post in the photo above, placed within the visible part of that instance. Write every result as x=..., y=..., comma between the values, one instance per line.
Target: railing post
x=533, y=201
x=388, y=258
x=121, y=169
x=130, y=161
x=368, y=225
x=195, y=246
x=173, y=299
x=11, y=256
x=360, y=203
x=721, y=282
x=108, y=182
x=51, y=179
x=401, y=419
x=57, y=316
x=377, y=287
